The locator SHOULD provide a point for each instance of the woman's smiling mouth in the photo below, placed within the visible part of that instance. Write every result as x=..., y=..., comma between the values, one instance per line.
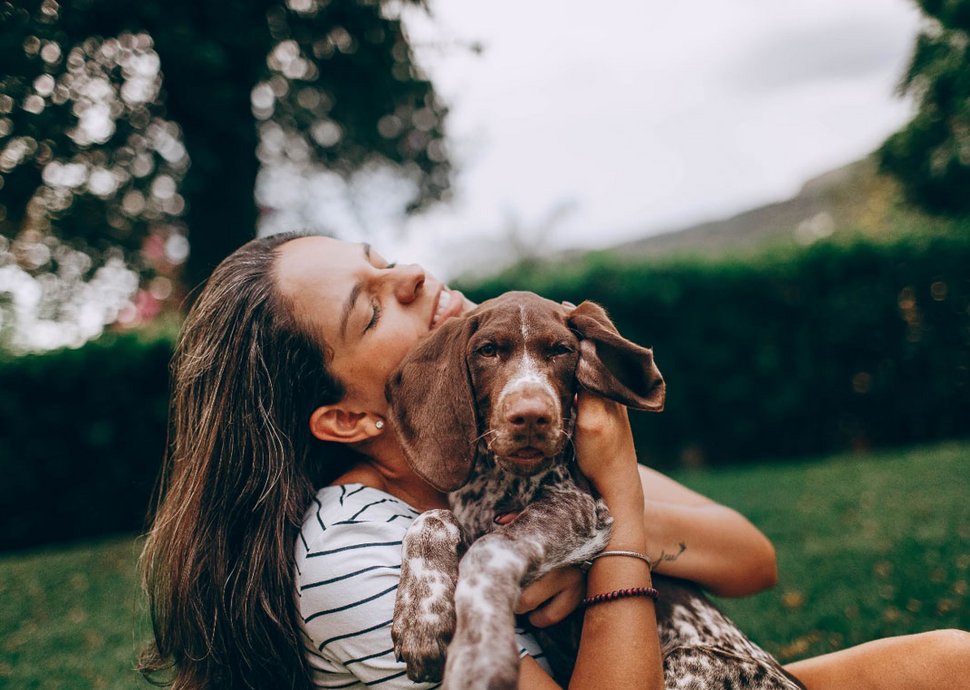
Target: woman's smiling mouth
x=450, y=303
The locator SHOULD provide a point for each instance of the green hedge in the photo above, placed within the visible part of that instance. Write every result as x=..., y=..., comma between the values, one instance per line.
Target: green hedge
x=788, y=354
x=81, y=439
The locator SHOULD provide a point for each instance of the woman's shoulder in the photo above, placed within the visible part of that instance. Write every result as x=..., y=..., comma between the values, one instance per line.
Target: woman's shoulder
x=348, y=561
x=356, y=503
x=352, y=522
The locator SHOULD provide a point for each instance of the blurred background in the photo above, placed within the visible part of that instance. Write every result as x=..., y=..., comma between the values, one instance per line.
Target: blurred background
x=776, y=197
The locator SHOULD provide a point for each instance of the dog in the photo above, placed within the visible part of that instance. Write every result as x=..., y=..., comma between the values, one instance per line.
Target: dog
x=483, y=410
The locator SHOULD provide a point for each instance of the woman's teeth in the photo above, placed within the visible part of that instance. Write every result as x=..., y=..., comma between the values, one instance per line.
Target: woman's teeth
x=443, y=302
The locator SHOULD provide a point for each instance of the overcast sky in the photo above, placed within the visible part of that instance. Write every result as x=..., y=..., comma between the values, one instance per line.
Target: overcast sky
x=596, y=123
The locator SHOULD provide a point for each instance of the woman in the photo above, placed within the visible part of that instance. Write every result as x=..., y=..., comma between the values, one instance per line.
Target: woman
x=256, y=579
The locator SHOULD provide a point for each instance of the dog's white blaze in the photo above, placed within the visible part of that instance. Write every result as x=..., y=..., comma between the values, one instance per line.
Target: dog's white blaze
x=527, y=374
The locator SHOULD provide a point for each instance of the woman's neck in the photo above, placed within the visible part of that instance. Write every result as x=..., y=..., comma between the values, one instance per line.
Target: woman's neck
x=382, y=466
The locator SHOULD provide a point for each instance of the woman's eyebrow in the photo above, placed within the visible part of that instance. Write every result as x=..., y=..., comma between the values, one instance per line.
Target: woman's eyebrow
x=353, y=297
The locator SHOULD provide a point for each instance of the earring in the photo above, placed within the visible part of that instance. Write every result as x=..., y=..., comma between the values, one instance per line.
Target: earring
x=379, y=424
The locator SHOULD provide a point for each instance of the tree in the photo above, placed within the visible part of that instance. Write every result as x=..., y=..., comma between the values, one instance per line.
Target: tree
x=129, y=124
x=931, y=155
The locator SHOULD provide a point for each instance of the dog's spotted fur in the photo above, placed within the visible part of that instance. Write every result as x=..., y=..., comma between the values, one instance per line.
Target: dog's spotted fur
x=517, y=358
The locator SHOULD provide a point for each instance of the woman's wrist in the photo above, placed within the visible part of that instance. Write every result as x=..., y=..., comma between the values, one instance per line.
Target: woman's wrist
x=629, y=532
x=620, y=571
x=625, y=501
x=627, y=540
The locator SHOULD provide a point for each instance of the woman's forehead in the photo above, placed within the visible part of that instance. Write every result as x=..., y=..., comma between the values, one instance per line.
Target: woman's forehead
x=317, y=273
x=316, y=259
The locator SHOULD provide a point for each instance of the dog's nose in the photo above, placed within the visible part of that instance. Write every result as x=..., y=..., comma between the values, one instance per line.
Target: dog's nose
x=528, y=412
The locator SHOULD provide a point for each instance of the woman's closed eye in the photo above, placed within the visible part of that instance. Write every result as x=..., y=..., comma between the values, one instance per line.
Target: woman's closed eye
x=376, y=310
x=375, y=315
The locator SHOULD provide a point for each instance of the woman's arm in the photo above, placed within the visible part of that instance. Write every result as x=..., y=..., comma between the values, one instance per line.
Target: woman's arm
x=724, y=553
x=619, y=647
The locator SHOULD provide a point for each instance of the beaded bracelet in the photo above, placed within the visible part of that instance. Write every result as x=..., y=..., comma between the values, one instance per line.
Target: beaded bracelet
x=649, y=592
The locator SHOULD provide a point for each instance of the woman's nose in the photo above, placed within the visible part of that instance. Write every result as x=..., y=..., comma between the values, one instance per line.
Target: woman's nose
x=408, y=281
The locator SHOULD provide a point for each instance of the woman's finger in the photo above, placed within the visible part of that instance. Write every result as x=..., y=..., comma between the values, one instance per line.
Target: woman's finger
x=549, y=587
x=556, y=609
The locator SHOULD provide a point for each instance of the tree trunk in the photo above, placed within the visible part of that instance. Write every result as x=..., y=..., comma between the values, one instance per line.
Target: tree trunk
x=210, y=67
x=218, y=191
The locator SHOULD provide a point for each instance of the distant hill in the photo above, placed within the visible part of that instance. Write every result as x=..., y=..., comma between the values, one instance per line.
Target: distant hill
x=851, y=200
x=844, y=204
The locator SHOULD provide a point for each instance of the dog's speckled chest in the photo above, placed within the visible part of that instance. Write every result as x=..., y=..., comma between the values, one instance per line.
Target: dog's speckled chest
x=491, y=492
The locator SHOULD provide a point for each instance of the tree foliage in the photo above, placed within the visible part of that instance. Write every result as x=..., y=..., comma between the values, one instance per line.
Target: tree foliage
x=130, y=125
x=931, y=155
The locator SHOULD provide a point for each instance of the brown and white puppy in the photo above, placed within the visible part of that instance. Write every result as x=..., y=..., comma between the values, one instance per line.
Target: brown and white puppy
x=483, y=409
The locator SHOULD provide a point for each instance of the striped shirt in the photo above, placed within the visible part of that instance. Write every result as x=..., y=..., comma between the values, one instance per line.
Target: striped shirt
x=348, y=561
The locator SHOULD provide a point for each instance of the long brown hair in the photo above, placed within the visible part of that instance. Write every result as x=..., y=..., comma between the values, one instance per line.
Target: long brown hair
x=238, y=476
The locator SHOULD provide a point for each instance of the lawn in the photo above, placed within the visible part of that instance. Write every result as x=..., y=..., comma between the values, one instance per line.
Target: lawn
x=867, y=547
x=71, y=617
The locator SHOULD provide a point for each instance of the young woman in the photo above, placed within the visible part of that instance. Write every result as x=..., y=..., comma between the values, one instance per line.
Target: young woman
x=275, y=548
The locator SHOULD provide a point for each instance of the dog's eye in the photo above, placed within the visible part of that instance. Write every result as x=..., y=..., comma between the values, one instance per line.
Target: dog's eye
x=487, y=350
x=559, y=349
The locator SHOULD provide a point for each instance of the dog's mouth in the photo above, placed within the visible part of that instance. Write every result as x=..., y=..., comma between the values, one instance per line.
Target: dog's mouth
x=527, y=454
x=525, y=461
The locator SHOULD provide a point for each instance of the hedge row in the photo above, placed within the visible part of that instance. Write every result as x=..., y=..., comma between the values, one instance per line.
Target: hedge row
x=810, y=352
x=830, y=348
x=81, y=439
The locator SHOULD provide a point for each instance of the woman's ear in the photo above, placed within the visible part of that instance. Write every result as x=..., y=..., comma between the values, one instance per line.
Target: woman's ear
x=334, y=423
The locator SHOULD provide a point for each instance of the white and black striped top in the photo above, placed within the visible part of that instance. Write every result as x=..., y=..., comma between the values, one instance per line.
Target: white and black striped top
x=348, y=560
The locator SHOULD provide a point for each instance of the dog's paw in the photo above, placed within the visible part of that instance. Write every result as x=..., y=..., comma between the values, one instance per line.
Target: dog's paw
x=424, y=618
x=421, y=648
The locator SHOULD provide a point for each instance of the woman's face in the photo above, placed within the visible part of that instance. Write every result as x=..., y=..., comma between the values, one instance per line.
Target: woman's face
x=370, y=312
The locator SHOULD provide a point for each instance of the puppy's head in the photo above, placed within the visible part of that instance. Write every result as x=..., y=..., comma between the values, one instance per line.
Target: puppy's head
x=506, y=373
x=522, y=361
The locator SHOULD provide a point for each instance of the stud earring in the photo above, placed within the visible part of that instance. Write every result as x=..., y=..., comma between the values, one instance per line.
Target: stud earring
x=379, y=424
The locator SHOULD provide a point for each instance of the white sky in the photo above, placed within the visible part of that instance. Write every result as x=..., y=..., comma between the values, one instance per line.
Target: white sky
x=613, y=120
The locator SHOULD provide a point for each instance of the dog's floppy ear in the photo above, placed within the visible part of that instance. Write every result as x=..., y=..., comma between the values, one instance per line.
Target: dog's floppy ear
x=432, y=407
x=612, y=366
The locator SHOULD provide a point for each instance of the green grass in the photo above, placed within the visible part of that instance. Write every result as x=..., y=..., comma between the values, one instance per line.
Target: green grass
x=72, y=617
x=867, y=547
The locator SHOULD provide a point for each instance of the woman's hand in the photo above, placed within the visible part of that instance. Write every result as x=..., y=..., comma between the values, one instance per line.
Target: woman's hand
x=553, y=596
x=604, y=444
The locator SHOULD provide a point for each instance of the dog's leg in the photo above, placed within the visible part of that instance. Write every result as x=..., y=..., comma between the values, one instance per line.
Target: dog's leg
x=561, y=529
x=424, y=613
